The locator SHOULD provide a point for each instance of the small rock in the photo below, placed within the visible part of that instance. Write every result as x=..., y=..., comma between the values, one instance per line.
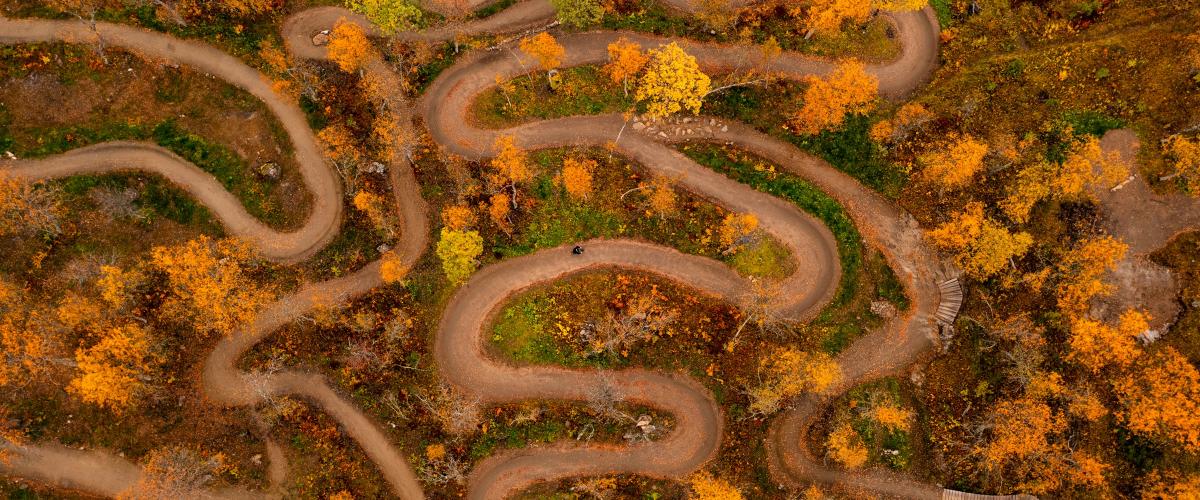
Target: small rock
x=321, y=39
x=256, y=459
x=662, y=134
x=724, y=128
x=883, y=309
x=376, y=168
x=10, y=155
x=644, y=420
x=638, y=126
x=383, y=248
x=269, y=170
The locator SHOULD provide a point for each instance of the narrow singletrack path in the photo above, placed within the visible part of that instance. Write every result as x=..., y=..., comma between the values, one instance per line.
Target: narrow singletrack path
x=459, y=343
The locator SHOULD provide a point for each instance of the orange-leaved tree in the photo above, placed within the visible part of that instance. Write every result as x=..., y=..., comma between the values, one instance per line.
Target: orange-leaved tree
x=1082, y=271
x=672, y=83
x=848, y=89
x=112, y=371
x=458, y=217
x=845, y=447
x=625, y=61
x=1086, y=167
x=954, y=162
x=577, y=177
x=210, y=284
x=510, y=165
x=349, y=46
x=544, y=48
x=375, y=207
x=827, y=16
x=1161, y=399
x=1096, y=345
x=735, y=230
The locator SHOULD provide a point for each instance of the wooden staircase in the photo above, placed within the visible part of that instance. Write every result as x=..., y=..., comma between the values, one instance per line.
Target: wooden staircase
x=951, y=300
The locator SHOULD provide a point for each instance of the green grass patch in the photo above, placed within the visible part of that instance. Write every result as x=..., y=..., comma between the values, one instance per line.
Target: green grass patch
x=157, y=197
x=524, y=333
x=585, y=90
x=764, y=258
x=890, y=447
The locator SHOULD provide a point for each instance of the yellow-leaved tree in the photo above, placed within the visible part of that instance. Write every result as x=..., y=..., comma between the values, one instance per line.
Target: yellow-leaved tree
x=111, y=372
x=955, y=162
x=672, y=83
x=459, y=252
x=1082, y=270
x=980, y=245
x=1184, y=155
x=827, y=16
x=1161, y=399
x=544, y=48
x=735, y=230
x=625, y=61
x=706, y=486
x=349, y=47
x=787, y=372
x=848, y=89
x=1086, y=167
x=845, y=447
x=209, y=283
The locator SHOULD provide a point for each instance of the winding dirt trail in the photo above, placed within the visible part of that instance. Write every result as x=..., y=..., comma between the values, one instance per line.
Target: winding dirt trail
x=323, y=221
x=459, y=345
x=445, y=107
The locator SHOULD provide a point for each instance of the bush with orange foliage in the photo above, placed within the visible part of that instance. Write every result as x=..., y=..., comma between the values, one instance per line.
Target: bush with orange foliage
x=705, y=486
x=845, y=447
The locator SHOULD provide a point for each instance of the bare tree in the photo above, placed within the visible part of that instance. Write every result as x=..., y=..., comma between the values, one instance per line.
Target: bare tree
x=173, y=473
x=457, y=412
x=640, y=320
x=603, y=396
